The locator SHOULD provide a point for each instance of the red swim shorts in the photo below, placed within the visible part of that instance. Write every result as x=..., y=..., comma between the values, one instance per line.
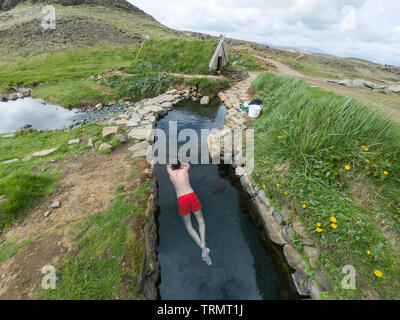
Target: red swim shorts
x=187, y=203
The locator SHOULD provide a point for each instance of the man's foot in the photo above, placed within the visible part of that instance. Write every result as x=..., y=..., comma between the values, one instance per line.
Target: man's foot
x=206, y=256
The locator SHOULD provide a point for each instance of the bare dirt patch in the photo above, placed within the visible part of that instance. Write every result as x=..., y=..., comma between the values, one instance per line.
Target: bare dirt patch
x=85, y=188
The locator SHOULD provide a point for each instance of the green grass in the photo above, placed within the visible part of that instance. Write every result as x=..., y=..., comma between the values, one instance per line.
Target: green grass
x=305, y=140
x=240, y=59
x=318, y=70
x=208, y=86
x=74, y=93
x=61, y=66
x=21, y=182
x=10, y=248
x=96, y=270
x=175, y=55
x=142, y=85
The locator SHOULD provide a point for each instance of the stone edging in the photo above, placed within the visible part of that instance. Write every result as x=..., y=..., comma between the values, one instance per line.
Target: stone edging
x=278, y=226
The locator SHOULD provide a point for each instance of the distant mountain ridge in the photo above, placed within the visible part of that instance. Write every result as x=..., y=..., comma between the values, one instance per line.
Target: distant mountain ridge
x=9, y=4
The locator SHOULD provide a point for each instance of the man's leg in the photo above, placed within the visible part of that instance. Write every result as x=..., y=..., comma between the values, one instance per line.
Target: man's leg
x=188, y=224
x=202, y=228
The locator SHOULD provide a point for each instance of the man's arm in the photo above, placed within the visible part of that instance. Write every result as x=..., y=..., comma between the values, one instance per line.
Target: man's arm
x=169, y=169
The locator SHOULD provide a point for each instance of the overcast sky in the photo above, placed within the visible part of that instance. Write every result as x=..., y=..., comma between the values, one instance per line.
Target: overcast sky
x=367, y=29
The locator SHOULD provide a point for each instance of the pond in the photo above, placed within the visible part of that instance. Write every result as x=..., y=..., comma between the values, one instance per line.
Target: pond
x=244, y=266
x=14, y=115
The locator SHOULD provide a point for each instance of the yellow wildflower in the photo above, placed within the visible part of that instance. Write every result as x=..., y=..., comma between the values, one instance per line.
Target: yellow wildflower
x=286, y=193
x=304, y=206
x=264, y=186
x=334, y=226
x=378, y=273
x=366, y=149
x=368, y=252
x=385, y=173
x=278, y=185
x=319, y=230
x=333, y=220
x=319, y=225
x=347, y=167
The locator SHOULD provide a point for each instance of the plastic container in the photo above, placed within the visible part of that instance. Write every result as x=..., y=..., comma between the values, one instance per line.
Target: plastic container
x=254, y=111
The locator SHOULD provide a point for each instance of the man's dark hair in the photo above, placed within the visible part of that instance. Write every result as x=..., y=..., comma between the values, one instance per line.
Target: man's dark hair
x=176, y=166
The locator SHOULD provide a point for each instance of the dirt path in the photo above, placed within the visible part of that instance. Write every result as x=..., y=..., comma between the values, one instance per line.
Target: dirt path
x=86, y=188
x=388, y=104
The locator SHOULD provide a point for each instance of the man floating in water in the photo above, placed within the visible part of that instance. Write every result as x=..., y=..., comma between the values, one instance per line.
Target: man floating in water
x=188, y=202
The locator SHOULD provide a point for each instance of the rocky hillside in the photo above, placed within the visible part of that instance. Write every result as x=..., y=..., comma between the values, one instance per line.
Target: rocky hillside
x=79, y=23
x=9, y=4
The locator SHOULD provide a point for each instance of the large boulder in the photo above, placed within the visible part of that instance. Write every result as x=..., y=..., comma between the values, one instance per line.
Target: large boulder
x=109, y=131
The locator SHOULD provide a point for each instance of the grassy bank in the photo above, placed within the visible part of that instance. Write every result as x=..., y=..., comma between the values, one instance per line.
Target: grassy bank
x=74, y=93
x=329, y=159
x=208, y=86
x=24, y=183
x=140, y=86
x=61, y=66
x=108, y=254
x=175, y=55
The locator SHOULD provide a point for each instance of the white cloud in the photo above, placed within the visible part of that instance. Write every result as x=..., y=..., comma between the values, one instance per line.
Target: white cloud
x=361, y=28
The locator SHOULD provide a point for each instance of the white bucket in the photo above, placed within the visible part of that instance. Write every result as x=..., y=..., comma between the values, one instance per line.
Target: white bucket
x=254, y=111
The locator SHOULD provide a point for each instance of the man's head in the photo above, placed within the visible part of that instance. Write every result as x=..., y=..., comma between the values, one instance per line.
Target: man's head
x=176, y=166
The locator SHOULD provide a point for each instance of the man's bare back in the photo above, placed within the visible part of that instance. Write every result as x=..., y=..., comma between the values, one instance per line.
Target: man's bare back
x=180, y=180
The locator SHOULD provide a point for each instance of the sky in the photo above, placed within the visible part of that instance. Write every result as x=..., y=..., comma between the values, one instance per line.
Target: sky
x=367, y=29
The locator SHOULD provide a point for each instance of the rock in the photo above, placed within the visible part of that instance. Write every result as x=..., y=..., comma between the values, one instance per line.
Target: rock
x=121, y=138
x=74, y=141
x=9, y=161
x=321, y=280
x=276, y=215
x=287, y=232
x=152, y=109
x=27, y=159
x=247, y=185
x=301, y=283
x=13, y=97
x=151, y=135
x=109, y=131
x=205, y=101
x=140, y=149
x=97, y=143
x=261, y=196
x=55, y=205
x=99, y=106
x=140, y=133
x=274, y=230
x=394, y=89
x=293, y=258
x=313, y=289
x=299, y=228
x=167, y=105
x=44, y=153
x=240, y=171
x=47, y=214
x=313, y=255
x=105, y=147
x=90, y=142
x=7, y=136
